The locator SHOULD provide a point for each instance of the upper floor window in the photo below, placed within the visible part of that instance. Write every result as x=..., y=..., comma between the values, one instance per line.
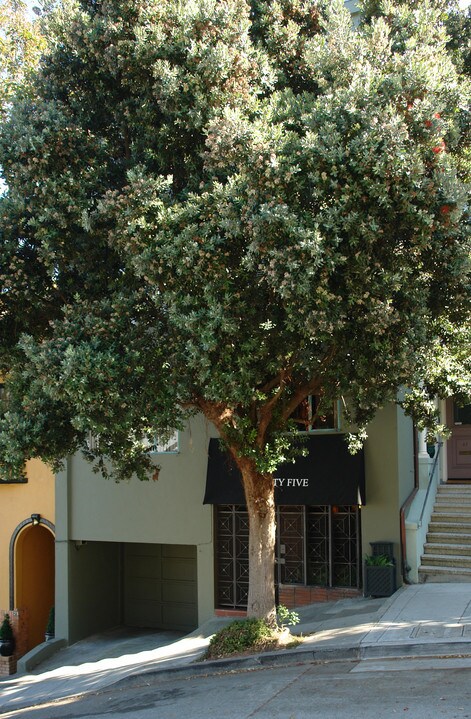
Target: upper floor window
x=315, y=414
x=168, y=445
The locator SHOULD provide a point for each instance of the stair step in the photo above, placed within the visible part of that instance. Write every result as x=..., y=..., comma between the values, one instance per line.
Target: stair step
x=433, y=548
x=449, y=537
x=459, y=516
x=446, y=570
x=439, y=560
x=453, y=492
x=443, y=574
x=453, y=495
x=450, y=527
x=453, y=509
x=453, y=498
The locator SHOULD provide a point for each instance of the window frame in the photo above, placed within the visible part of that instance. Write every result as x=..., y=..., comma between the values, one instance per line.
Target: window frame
x=156, y=448
x=322, y=430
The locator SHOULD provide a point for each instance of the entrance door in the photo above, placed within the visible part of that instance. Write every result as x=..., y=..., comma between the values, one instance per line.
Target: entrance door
x=34, y=579
x=459, y=444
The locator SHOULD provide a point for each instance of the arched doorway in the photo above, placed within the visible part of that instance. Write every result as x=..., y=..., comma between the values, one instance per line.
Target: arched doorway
x=33, y=576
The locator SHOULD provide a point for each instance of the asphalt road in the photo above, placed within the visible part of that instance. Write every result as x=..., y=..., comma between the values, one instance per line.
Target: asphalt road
x=416, y=689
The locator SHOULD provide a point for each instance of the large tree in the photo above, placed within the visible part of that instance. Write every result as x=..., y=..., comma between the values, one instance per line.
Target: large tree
x=221, y=206
x=21, y=45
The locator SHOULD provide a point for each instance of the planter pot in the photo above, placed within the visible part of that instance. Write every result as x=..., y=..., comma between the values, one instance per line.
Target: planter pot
x=379, y=581
x=7, y=647
x=48, y=636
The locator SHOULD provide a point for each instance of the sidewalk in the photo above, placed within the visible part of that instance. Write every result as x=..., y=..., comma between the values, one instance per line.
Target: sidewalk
x=419, y=620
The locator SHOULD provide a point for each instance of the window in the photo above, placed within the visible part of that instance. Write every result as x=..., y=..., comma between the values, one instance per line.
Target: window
x=314, y=414
x=461, y=415
x=167, y=445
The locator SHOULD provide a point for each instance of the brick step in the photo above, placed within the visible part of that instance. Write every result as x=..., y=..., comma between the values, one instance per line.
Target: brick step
x=439, y=560
x=449, y=537
x=450, y=549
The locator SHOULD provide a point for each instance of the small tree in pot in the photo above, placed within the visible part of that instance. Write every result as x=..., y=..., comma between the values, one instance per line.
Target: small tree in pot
x=7, y=639
x=50, y=627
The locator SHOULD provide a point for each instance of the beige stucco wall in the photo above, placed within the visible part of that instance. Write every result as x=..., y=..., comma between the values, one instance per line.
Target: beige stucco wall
x=168, y=511
x=105, y=514
x=389, y=468
x=17, y=503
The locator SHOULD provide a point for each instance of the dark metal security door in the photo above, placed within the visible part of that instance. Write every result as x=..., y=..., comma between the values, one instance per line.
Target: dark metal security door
x=232, y=556
x=315, y=546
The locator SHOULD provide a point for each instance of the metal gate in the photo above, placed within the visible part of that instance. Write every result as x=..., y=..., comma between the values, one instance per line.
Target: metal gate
x=315, y=546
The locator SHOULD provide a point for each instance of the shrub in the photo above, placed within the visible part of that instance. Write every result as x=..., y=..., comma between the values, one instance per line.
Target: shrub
x=51, y=622
x=6, y=631
x=240, y=636
x=378, y=560
x=286, y=617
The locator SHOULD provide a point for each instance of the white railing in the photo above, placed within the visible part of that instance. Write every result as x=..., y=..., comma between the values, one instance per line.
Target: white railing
x=419, y=513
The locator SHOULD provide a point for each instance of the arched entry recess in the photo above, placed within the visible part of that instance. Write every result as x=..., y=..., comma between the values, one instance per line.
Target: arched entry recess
x=32, y=573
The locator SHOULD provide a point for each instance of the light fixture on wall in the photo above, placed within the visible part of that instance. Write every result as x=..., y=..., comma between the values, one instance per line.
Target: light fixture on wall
x=35, y=519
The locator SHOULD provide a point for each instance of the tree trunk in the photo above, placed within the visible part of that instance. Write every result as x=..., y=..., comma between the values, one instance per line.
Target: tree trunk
x=260, y=497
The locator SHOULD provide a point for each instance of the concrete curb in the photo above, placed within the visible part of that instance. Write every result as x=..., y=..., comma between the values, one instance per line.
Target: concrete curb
x=438, y=650
x=39, y=653
x=265, y=660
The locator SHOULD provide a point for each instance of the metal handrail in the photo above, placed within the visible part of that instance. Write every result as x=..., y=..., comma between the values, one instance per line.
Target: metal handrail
x=430, y=479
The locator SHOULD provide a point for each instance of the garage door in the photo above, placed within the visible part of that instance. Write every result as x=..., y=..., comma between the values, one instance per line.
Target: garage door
x=160, y=586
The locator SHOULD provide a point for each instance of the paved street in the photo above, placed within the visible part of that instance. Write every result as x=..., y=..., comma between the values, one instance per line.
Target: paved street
x=356, y=658
x=415, y=688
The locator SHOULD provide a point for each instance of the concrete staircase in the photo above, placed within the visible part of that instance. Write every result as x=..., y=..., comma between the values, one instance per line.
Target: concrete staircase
x=447, y=552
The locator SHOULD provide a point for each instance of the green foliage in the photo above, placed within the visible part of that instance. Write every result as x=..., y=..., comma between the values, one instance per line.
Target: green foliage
x=6, y=630
x=222, y=207
x=286, y=617
x=378, y=560
x=21, y=45
x=241, y=636
x=51, y=621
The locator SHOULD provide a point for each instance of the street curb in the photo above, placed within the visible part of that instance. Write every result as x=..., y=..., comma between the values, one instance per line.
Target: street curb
x=236, y=664
x=265, y=660
x=438, y=650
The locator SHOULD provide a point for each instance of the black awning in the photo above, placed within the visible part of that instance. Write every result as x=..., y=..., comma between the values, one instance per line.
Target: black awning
x=328, y=474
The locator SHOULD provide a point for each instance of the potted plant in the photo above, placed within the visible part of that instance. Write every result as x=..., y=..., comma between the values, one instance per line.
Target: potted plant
x=379, y=576
x=50, y=628
x=7, y=639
